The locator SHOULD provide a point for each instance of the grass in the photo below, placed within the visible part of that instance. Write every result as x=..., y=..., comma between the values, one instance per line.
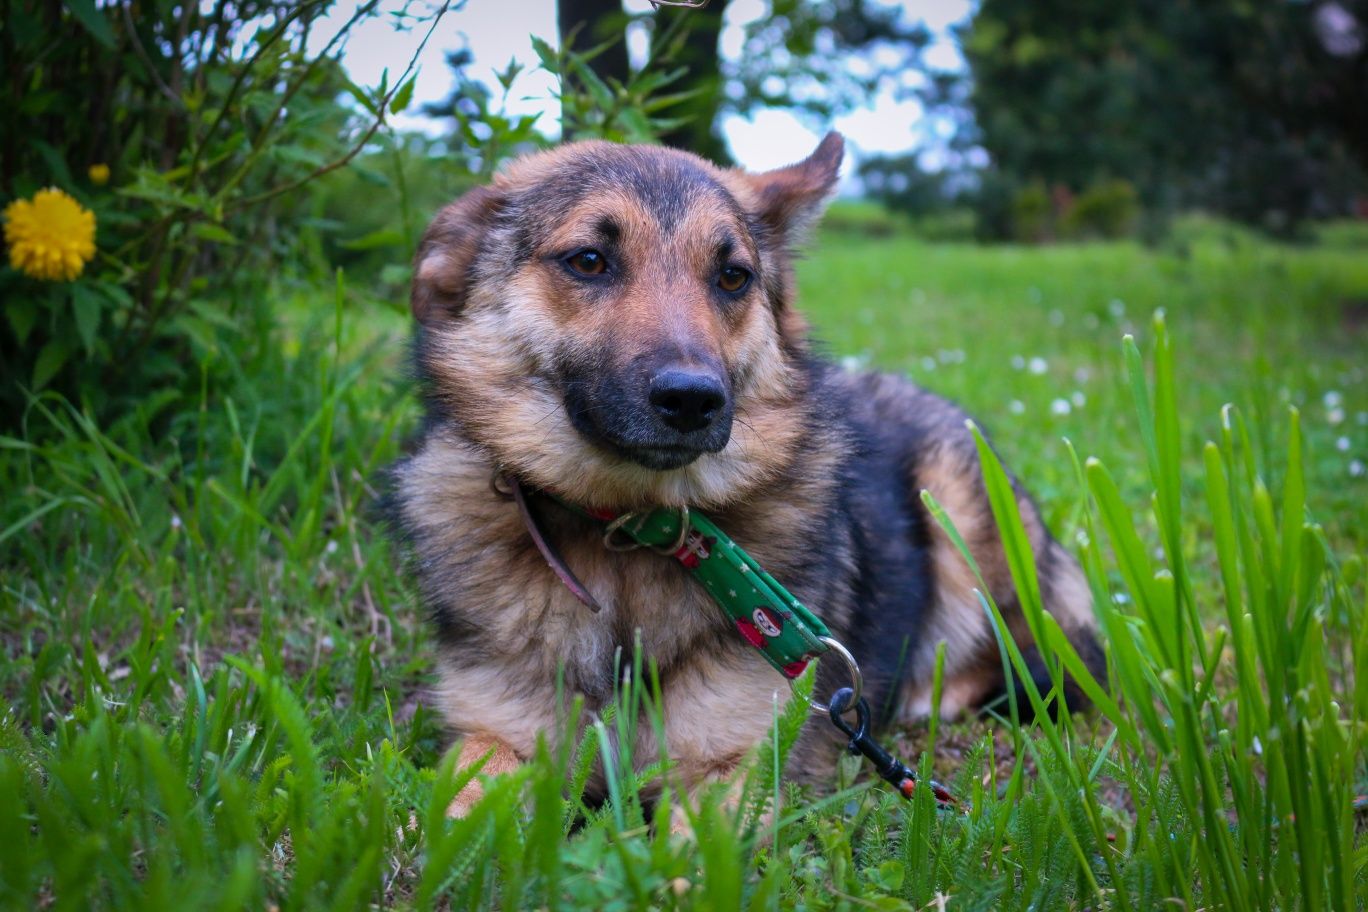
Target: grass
x=213, y=664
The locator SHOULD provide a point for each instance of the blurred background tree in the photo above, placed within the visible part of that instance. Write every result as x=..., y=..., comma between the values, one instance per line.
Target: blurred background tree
x=1135, y=109
x=817, y=58
x=1251, y=110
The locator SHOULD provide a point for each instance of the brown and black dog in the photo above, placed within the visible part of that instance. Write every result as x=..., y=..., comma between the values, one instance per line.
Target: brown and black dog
x=616, y=324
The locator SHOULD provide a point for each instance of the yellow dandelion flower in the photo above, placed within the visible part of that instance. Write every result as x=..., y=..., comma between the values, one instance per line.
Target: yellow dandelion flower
x=99, y=174
x=50, y=237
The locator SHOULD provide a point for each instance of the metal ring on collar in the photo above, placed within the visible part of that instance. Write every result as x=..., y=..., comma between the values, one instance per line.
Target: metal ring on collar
x=684, y=527
x=612, y=529
x=856, y=679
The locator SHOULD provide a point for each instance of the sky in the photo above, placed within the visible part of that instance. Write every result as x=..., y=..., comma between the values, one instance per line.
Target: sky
x=497, y=31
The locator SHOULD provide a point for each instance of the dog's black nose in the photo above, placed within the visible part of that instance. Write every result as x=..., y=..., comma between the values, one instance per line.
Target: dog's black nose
x=687, y=401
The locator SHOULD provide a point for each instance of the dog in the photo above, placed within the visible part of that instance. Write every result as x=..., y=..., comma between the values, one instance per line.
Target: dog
x=615, y=326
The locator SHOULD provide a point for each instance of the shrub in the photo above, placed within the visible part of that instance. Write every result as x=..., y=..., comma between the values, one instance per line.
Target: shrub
x=954, y=225
x=1109, y=209
x=183, y=129
x=1031, y=214
x=862, y=217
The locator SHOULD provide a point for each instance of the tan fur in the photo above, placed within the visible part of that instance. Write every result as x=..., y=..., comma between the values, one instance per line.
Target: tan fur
x=501, y=759
x=500, y=315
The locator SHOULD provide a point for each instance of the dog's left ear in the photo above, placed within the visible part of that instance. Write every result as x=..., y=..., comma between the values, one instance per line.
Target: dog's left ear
x=789, y=200
x=446, y=255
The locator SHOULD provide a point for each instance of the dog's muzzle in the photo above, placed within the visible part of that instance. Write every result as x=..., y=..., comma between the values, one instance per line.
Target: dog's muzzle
x=666, y=420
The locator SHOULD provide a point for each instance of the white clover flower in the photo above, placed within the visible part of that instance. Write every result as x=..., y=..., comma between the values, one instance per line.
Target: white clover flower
x=1018, y=362
x=1342, y=444
x=1335, y=416
x=1357, y=469
x=928, y=363
x=1332, y=398
x=1016, y=407
x=1116, y=307
x=1038, y=365
x=1078, y=399
x=1082, y=375
x=1060, y=407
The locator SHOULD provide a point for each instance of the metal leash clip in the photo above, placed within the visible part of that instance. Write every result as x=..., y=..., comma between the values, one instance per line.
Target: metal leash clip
x=890, y=768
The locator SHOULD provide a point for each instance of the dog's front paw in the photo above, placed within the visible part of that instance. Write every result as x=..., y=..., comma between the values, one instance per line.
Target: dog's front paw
x=492, y=757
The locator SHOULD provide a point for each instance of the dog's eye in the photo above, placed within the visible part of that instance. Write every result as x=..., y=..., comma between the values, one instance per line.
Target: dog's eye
x=733, y=279
x=587, y=262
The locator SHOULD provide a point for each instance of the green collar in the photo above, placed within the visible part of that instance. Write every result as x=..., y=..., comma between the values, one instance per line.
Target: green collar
x=763, y=612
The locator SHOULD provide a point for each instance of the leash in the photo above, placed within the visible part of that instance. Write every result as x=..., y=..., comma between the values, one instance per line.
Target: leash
x=765, y=614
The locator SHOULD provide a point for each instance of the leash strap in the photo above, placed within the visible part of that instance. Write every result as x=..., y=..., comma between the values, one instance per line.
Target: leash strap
x=548, y=550
x=763, y=612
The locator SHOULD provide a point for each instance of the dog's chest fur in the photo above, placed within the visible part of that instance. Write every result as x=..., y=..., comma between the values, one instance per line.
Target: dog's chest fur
x=497, y=600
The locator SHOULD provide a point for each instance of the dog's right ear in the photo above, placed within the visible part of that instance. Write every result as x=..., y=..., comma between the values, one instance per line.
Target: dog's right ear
x=446, y=255
x=790, y=200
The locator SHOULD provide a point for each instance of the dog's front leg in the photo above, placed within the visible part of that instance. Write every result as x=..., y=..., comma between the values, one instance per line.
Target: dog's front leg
x=716, y=714
x=473, y=749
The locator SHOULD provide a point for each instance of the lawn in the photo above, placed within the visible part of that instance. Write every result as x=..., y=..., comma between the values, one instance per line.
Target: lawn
x=214, y=666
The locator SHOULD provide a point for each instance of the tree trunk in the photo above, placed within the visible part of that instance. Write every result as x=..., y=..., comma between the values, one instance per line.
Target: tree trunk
x=698, y=53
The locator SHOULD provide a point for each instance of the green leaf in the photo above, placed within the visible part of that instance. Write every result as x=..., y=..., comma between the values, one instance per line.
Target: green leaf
x=550, y=60
x=385, y=237
x=208, y=231
x=355, y=91
x=50, y=361
x=396, y=274
x=197, y=330
x=509, y=74
x=86, y=304
x=58, y=173
x=21, y=313
x=93, y=19
x=403, y=97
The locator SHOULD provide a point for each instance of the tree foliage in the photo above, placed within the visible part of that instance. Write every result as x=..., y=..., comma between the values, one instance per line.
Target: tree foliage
x=1250, y=109
x=819, y=59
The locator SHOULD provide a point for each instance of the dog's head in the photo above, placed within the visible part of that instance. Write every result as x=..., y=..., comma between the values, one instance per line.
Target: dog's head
x=615, y=323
